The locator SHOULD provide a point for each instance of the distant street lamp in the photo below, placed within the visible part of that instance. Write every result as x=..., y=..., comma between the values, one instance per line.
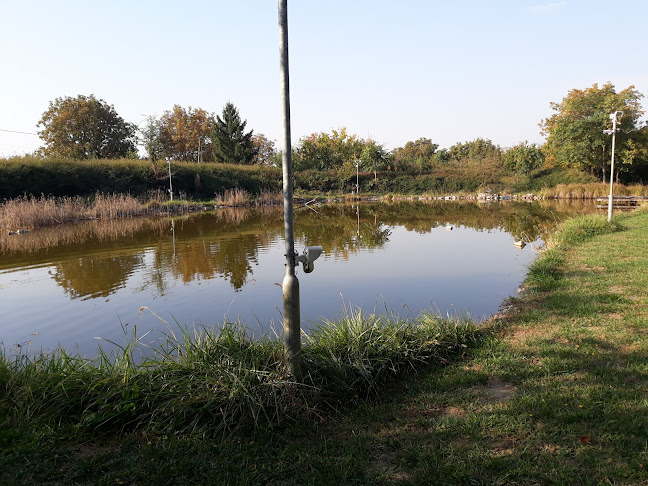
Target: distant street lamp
x=357, y=177
x=170, y=184
x=613, y=116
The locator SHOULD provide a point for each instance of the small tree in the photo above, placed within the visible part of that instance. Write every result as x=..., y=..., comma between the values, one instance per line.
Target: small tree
x=185, y=133
x=85, y=128
x=232, y=145
x=375, y=157
x=265, y=150
x=150, y=136
x=523, y=158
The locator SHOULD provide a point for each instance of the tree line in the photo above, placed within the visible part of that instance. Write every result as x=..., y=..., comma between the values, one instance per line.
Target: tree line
x=88, y=128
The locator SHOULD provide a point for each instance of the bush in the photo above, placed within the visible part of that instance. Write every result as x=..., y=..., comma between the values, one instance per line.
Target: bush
x=62, y=177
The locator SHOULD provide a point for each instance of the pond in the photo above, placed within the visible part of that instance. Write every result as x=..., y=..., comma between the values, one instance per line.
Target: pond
x=73, y=284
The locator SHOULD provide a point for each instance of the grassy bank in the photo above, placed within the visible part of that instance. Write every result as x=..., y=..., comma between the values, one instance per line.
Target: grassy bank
x=204, y=385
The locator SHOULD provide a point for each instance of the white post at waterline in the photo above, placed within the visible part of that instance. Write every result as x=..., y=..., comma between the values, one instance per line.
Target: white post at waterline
x=170, y=184
x=291, y=323
x=357, y=177
x=613, y=117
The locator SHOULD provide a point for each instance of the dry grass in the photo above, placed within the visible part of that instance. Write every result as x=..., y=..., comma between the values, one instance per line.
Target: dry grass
x=269, y=198
x=233, y=197
x=30, y=211
x=591, y=191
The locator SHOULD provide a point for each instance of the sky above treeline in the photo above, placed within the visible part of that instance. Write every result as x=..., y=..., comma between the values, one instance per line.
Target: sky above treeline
x=392, y=71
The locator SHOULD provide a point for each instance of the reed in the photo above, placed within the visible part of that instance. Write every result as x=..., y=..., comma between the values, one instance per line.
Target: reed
x=233, y=197
x=30, y=211
x=592, y=191
x=269, y=198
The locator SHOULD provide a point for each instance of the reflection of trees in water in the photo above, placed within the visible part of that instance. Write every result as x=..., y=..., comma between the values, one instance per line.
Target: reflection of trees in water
x=95, y=276
x=339, y=231
x=227, y=242
x=232, y=257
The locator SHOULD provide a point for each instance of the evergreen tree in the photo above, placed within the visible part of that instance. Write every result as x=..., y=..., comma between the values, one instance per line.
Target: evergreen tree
x=231, y=144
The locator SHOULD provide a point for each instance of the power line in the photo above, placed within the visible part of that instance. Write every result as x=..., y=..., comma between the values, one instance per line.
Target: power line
x=15, y=131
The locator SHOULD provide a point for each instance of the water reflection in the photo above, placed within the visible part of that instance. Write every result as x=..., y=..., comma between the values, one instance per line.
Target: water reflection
x=200, y=266
x=95, y=259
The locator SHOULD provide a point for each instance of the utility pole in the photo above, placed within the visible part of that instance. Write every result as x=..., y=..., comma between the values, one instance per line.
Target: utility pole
x=291, y=323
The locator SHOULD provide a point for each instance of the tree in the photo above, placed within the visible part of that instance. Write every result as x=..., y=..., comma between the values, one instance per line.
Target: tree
x=375, y=157
x=575, y=135
x=423, y=148
x=266, y=152
x=150, y=136
x=185, y=134
x=232, y=145
x=85, y=128
x=523, y=158
x=418, y=154
x=474, y=151
x=323, y=151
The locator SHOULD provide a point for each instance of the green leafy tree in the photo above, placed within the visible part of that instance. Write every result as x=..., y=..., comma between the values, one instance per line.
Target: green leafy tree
x=150, y=137
x=375, y=157
x=232, y=145
x=185, y=134
x=324, y=151
x=418, y=155
x=422, y=148
x=523, y=158
x=575, y=135
x=474, y=151
x=85, y=128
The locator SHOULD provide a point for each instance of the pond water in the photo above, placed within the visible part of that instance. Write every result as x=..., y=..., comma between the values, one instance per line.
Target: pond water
x=72, y=284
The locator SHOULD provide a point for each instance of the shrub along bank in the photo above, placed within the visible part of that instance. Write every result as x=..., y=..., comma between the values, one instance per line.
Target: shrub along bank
x=61, y=177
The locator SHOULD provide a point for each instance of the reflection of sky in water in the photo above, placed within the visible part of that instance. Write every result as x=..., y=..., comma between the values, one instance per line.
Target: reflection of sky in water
x=445, y=271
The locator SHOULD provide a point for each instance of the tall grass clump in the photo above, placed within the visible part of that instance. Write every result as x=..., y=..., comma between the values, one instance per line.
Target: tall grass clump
x=206, y=382
x=353, y=356
x=30, y=211
x=233, y=197
x=269, y=198
x=581, y=228
x=592, y=191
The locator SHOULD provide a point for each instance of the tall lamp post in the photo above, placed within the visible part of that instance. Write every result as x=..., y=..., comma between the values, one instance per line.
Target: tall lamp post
x=357, y=177
x=614, y=117
x=170, y=183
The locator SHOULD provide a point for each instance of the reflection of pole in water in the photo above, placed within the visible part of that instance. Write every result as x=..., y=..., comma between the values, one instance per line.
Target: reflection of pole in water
x=173, y=236
x=358, y=214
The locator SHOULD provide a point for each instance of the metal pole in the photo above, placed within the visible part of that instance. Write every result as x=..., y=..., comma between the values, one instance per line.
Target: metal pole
x=357, y=177
x=610, y=199
x=170, y=185
x=291, y=324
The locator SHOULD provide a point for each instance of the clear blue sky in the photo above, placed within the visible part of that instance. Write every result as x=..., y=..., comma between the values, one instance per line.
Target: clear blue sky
x=390, y=70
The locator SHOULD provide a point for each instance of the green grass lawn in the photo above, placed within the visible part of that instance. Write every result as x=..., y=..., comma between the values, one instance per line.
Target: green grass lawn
x=556, y=393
